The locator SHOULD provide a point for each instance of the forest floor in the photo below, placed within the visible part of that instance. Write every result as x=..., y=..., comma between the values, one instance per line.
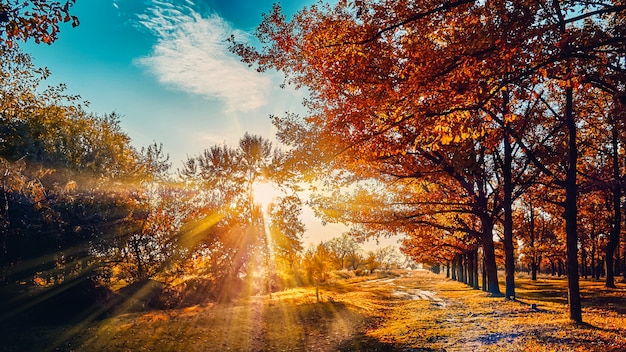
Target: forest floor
x=413, y=311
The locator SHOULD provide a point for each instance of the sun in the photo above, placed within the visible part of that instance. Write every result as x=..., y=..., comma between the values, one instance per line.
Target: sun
x=264, y=193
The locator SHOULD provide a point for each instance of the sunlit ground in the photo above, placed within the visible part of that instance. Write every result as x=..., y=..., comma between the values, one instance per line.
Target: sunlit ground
x=376, y=313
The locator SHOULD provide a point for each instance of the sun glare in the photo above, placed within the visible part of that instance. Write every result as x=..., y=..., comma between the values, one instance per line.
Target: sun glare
x=264, y=193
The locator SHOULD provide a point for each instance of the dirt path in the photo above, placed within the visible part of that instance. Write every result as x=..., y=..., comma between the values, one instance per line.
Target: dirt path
x=422, y=312
x=425, y=312
x=396, y=306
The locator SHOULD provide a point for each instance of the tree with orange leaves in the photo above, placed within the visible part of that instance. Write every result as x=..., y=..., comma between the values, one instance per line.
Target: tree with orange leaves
x=602, y=143
x=33, y=19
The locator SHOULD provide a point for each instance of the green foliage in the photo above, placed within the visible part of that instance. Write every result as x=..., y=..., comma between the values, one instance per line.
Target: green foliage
x=74, y=192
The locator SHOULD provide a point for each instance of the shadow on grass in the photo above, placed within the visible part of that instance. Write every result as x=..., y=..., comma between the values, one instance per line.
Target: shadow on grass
x=593, y=293
x=576, y=335
x=367, y=343
x=318, y=313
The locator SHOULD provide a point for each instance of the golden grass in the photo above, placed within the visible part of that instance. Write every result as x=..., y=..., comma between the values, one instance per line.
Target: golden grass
x=471, y=321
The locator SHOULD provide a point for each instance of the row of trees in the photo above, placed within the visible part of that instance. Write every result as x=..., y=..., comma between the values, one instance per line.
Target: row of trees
x=452, y=122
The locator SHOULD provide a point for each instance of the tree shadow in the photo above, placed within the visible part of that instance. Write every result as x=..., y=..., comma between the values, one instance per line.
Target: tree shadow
x=364, y=343
x=593, y=293
x=549, y=290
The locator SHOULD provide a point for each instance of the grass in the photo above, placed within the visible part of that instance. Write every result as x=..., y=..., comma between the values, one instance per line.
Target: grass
x=472, y=321
x=415, y=312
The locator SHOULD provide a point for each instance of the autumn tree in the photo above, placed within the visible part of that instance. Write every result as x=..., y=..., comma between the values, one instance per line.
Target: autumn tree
x=448, y=190
x=224, y=179
x=602, y=142
x=584, y=40
x=370, y=262
x=33, y=19
x=341, y=249
x=388, y=257
x=317, y=262
x=537, y=230
x=146, y=247
x=285, y=233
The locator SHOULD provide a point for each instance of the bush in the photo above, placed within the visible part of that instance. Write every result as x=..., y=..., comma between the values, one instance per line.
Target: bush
x=144, y=295
x=344, y=274
x=195, y=291
x=362, y=272
x=76, y=300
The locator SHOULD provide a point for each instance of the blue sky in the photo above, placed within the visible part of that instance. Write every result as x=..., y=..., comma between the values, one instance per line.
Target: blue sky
x=165, y=67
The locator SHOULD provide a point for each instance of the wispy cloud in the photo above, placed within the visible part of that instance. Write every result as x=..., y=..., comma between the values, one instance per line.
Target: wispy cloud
x=191, y=54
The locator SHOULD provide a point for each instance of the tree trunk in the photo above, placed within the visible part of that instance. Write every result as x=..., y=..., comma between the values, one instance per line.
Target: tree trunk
x=470, y=268
x=475, y=284
x=531, y=230
x=533, y=269
x=484, y=273
x=509, y=255
x=454, y=270
x=614, y=235
x=466, y=265
x=618, y=266
x=459, y=268
x=141, y=274
x=571, y=212
x=583, y=260
x=491, y=268
x=624, y=260
x=593, y=255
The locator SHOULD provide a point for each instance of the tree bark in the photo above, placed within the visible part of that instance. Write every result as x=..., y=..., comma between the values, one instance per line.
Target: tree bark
x=466, y=265
x=470, y=268
x=475, y=284
x=491, y=268
x=459, y=268
x=534, y=266
x=571, y=212
x=624, y=260
x=484, y=273
x=583, y=259
x=614, y=235
x=509, y=255
x=454, y=270
x=531, y=230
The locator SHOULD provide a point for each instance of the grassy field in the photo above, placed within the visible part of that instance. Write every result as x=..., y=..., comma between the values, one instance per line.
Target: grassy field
x=415, y=311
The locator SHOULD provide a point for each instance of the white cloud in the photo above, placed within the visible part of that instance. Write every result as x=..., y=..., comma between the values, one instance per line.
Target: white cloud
x=191, y=54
